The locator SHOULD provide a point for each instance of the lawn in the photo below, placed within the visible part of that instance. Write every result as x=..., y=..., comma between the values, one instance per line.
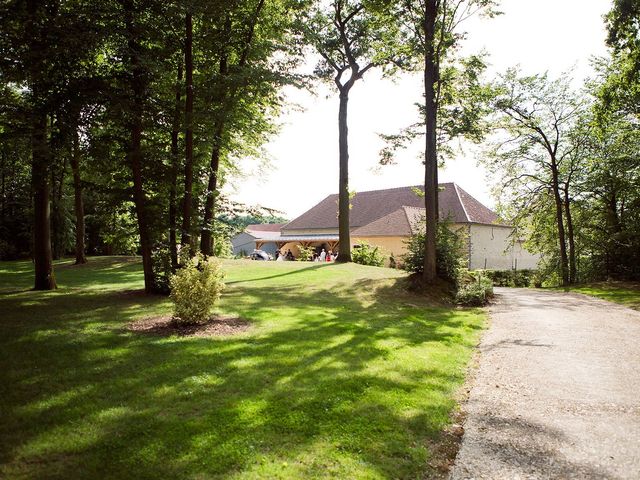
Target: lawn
x=341, y=375
x=625, y=293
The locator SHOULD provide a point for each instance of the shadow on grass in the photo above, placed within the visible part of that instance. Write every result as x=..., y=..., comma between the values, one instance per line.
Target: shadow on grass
x=306, y=269
x=334, y=386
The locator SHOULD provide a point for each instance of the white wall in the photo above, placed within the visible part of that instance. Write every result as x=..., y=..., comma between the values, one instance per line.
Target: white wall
x=243, y=242
x=492, y=247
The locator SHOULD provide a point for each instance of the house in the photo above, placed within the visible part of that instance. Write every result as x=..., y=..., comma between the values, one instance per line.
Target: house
x=387, y=218
x=244, y=243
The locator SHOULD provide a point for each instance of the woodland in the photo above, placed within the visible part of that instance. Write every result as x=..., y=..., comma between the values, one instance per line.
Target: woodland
x=121, y=120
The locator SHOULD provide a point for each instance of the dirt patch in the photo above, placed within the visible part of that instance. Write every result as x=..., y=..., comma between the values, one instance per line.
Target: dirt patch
x=165, y=326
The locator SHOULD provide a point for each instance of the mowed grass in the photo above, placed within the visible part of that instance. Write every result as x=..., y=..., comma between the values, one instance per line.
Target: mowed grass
x=624, y=293
x=342, y=375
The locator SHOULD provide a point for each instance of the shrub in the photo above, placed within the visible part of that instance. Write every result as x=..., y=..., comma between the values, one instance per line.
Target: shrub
x=475, y=289
x=512, y=278
x=222, y=248
x=450, y=256
x=161, y=266
x=195, y=288
x=306, y=253
x=366, y=254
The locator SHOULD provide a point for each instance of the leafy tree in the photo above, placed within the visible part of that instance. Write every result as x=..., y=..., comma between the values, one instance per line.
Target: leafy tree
x=432, y=29
x=352, y=37
x=254, y=50
x=539, y=153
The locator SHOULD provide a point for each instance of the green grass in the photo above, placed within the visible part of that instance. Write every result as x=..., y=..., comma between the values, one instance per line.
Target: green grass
x=624, y=293
x=342, y=375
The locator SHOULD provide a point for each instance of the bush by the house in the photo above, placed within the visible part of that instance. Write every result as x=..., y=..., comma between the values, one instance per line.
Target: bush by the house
x=195, y=289
x=450, y=256
x=366, y=254
x=305, y=254
x=475, y=289
x=511, y=278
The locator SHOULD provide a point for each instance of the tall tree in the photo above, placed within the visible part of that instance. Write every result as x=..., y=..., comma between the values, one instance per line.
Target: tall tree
x=538, y=153
x=78, y=199
x=225, y=97
x=187, y=204
x=175, y=165
x=256, y=51
x=352, y=37
x=431, y=28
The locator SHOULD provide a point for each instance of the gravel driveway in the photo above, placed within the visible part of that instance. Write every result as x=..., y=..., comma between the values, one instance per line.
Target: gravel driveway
x=557, y=391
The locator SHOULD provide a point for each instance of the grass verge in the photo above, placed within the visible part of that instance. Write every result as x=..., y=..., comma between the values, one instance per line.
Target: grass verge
x=624, y=293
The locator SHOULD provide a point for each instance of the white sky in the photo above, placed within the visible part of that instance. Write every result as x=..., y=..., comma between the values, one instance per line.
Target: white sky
x=540, y=35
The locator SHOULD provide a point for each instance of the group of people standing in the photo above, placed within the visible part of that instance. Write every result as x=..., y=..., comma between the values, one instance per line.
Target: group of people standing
x=323, y=256
x=281, y=257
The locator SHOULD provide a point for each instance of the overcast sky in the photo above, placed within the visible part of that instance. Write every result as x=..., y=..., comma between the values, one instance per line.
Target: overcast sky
x=541, y=35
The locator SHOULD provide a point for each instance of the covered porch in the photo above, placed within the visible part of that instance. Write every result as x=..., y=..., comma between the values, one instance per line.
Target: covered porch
x=293, y=243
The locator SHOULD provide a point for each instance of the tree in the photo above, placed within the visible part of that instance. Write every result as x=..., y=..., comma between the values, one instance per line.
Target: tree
x=187, y=203
x=254, y=51
x=432, y=35
x=540, y=152
x=352, y=37
x=39, y=57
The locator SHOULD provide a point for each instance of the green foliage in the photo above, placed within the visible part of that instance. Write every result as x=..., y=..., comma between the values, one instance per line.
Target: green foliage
x=450, y=255
x=474, y=290
x=195, y=289
x=305, y=253
x=366, y=254
x=512, y=278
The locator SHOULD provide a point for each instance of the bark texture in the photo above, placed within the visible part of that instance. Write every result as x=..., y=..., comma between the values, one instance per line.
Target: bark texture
x=138, y=86
x=344, y=234
x=430, y=155
x=187, y=204
x=175, y=165
x=78, y=201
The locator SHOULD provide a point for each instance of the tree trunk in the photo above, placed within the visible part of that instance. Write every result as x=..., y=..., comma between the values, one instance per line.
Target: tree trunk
x=42, y=255
x=187, y=204
x=78, y=203
x=135, y=151
x=173, y=203
x=564, y=262
x=3, y=193
x=44, y=276
x=57, y=213
x=573, y=269
x=430, y=155
x=206, y=235
x=344, y=234
x=206, y=238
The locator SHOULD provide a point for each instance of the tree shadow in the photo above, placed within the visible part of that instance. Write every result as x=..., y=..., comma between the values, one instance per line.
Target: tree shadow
x=343, y=381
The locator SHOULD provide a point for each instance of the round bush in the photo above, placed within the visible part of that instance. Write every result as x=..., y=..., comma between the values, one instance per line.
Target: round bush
x=195, y=289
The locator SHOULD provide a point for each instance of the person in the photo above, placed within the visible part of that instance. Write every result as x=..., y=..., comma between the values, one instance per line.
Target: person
x=290, y=255
x=323, y=255
x=330, y=256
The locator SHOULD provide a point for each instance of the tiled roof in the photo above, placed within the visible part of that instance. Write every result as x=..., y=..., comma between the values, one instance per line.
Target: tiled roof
x=396, y=223
x=376, y=205
x=265, y=227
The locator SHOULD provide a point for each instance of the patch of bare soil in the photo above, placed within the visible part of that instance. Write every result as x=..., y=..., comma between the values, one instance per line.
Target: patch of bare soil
x=166, y=326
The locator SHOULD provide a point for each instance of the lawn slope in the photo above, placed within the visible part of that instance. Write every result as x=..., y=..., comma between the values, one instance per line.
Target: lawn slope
x=624, y=293
x=342, y=375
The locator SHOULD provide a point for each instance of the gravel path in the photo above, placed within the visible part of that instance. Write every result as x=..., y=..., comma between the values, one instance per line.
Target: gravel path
x=557, y=391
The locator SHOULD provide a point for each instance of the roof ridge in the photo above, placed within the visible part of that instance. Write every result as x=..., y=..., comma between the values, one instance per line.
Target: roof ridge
x=399, y=188
x=464, y=209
